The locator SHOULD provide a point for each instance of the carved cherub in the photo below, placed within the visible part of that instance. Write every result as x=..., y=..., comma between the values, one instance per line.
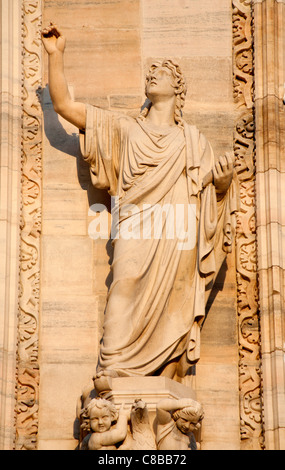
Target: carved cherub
x=108, y=427
x=176, y=421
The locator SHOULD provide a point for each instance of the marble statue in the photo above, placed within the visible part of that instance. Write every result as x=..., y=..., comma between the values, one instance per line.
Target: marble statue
x=156, y=303
x=176, y=422
x=107, y=428
x=140, y=435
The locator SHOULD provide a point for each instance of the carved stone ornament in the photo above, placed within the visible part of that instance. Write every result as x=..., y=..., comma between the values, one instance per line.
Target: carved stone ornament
x=28, y=329
x=249, y=341
x=140, y=413
x=247, y=291
x=111, y=429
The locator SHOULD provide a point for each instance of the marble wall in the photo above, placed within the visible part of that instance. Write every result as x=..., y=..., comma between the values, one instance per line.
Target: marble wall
x=110, y=46
x=54, y=278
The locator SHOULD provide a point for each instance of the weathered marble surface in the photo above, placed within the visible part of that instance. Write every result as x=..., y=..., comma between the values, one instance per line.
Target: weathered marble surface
x=211, y=108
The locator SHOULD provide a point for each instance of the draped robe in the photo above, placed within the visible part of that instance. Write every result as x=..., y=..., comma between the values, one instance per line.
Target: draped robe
x=156, y=302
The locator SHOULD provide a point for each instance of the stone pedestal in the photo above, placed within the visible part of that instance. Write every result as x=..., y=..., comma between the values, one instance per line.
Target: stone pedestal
x=149, y=389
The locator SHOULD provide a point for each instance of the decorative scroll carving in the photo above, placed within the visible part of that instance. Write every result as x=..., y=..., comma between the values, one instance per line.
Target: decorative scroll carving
x=244, y=148
x=28, y=368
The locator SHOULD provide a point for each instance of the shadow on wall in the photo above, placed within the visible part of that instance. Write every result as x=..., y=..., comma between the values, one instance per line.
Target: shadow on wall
x=216, y=286
x=68, y=143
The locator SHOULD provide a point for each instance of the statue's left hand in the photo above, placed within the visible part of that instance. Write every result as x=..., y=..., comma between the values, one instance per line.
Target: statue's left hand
x=223, y=173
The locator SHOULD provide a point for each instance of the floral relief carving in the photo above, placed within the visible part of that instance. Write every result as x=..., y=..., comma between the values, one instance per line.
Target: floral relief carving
x=29, y=291
x=27, y=408
x=251, y=430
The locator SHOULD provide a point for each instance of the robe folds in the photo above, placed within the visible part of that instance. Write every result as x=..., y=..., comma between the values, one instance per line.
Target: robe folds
x=156, y=302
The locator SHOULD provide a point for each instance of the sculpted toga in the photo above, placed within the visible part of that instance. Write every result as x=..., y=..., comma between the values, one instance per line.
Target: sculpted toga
x=160, y=286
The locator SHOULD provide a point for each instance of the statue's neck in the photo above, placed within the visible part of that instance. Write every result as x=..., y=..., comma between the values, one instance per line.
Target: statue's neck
x=161, y=113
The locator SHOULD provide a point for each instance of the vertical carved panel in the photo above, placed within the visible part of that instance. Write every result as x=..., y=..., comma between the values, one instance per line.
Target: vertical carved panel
x=244, y=148
x=28, y=368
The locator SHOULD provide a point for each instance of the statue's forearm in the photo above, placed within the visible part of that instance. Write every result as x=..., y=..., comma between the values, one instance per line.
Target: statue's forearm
x=170, y=404
x=57, y=82
x=64, y=105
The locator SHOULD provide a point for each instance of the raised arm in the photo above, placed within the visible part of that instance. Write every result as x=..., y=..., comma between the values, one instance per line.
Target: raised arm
x=112, y=436
x=168, y=405
x=72, y=111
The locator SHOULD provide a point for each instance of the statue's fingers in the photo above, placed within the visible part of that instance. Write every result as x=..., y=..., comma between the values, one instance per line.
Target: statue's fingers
x=218, y=168
x=46, y=30
x=230, y=156
x=56, y=31
x=230, y=160
x=223, y=162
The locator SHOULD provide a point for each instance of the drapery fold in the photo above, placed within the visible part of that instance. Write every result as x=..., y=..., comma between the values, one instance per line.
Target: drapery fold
x=157, y=299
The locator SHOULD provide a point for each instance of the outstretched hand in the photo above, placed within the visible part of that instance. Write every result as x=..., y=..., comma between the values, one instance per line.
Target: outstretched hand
x=223, y=173
x=52, y=39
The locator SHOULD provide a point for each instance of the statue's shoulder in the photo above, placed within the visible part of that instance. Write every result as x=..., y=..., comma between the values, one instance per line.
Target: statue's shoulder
x=118, y=121
x=111, y=113
x=192, y=127
x=195, y=132
x=125, y=123
x=124, y=118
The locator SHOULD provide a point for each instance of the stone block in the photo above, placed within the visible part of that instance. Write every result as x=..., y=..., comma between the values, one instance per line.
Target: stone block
x=69, y=330
x=67, y=266
x=64, y=212
x=171, y=29
x=61, y=385
x=107, y=54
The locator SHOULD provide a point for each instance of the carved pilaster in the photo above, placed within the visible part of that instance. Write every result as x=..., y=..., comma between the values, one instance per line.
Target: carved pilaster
x=10, y=194
x=251, y=428
x=28, y=328
x=269, y=45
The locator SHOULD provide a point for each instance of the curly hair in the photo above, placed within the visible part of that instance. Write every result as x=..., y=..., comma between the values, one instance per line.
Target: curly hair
x=192, y=412
x=180, y=87
x=100, y=403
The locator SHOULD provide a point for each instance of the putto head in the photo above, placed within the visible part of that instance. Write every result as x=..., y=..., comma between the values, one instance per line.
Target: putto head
x=99, y=415
x=189, y=418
